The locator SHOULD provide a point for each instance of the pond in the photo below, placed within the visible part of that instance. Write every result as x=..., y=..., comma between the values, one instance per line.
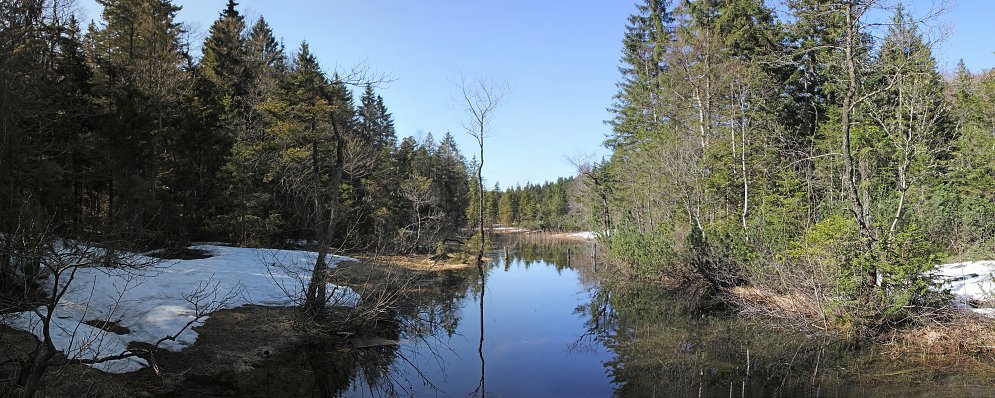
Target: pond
x=534, y=321
x=549, y=321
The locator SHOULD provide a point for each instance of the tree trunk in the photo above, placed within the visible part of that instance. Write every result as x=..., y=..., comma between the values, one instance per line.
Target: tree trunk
x=746, y=177
x=316, y=296
x=858, y=207
x=480, y=197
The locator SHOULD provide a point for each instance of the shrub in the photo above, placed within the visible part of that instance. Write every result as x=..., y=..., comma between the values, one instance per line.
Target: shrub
x=649, y=252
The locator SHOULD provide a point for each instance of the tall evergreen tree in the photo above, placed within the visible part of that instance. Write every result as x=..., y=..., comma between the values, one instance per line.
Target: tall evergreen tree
x=225, y=58
x=636, y=108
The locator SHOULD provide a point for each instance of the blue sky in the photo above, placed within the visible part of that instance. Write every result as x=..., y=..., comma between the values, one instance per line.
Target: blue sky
x=559, y=59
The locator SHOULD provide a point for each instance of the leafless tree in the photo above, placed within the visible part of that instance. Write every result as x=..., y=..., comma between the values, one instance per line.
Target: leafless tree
x=420, y=191
x=56, y=266
x=479, y=99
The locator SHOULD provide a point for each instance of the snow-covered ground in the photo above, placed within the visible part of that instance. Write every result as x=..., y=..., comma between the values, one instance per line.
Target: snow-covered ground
x=161, y=299
x=509, y=229
x=583, y=235
x=970, y=281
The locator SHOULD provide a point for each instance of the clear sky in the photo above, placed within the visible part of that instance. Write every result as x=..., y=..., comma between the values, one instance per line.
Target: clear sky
x=559, y=58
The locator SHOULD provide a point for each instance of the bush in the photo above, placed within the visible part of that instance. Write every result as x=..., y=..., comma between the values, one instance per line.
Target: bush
x=646, y=253
x=834, y=256
x=906, y=288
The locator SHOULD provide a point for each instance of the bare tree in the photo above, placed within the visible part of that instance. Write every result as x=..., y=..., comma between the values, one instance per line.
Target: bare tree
x=424, y=199
x=479, y=100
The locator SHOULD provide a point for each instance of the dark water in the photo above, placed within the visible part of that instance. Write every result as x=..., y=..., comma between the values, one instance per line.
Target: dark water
x=557, y=324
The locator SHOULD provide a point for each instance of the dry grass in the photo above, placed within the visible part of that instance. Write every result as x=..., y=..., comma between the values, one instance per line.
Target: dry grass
x=963, y=339
x=417, y=262
x=758, y=301
x=952, y=339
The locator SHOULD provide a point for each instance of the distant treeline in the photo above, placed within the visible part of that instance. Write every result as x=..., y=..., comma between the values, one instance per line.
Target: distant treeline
x=548, y=206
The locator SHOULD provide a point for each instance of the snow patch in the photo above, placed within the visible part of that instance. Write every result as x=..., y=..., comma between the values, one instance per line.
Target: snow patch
x=509, y=229
x=158, y=301
x=969, y=282
x=582, y=235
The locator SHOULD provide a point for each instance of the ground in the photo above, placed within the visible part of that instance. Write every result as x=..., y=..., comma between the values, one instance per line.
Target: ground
x=546, y=235
x=248, y=339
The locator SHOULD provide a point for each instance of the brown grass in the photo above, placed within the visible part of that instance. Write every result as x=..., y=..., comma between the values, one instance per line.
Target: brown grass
x=781, y=305
x=416, y=262
x=964, y=339
x=951, y=339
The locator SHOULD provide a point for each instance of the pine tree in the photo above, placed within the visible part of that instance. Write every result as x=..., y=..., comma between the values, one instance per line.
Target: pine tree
x=450, y=175
x=374, y=124
x=310, y=125
x=141, y=79
x=250, y=213
x=225, y=58
x=636, y=108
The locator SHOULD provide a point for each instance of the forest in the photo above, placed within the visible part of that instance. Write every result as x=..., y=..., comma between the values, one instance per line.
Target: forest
x=813, y=151
x=551, y=206
x=118, y=139
x=115, y=130
x=806, y=161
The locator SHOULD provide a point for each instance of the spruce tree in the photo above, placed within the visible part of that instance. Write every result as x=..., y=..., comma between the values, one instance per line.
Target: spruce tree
x=225, y=58
x=636, y=106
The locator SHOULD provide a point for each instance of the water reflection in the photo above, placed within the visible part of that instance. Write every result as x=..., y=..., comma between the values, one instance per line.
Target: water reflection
x=545, y=319
x=667, y=344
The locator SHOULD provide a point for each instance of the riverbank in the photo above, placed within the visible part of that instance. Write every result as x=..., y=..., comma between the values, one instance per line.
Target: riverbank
x=962, y=332
x=238, y=342
x=952, y=336
x=562, y=236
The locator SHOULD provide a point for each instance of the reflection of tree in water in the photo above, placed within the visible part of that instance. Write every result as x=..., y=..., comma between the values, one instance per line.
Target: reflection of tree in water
x=428, y=309
x=536, y=249
x=676, y=344
x=665, y=342
x=369, y=358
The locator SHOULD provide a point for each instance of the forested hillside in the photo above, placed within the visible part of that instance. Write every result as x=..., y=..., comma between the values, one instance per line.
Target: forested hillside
x=814, y=150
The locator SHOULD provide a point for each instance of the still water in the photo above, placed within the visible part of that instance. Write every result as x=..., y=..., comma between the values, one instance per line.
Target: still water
x=546, y=320
x=534, y=324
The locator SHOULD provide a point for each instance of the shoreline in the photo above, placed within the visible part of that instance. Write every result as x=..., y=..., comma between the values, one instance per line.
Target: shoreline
x=568, y=236
x=236, y=341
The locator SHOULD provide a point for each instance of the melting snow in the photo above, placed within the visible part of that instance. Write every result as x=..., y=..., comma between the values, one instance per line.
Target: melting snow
x=159, y=301
x=970, y=281
x=584, y=235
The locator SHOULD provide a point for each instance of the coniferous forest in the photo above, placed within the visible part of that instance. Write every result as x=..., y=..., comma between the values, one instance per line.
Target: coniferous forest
x=117, y=140
x=114, y=132
x=803, y=165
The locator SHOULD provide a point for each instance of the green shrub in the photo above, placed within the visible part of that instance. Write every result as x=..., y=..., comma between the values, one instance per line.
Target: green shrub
x=649, y=252
x=904, y=264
